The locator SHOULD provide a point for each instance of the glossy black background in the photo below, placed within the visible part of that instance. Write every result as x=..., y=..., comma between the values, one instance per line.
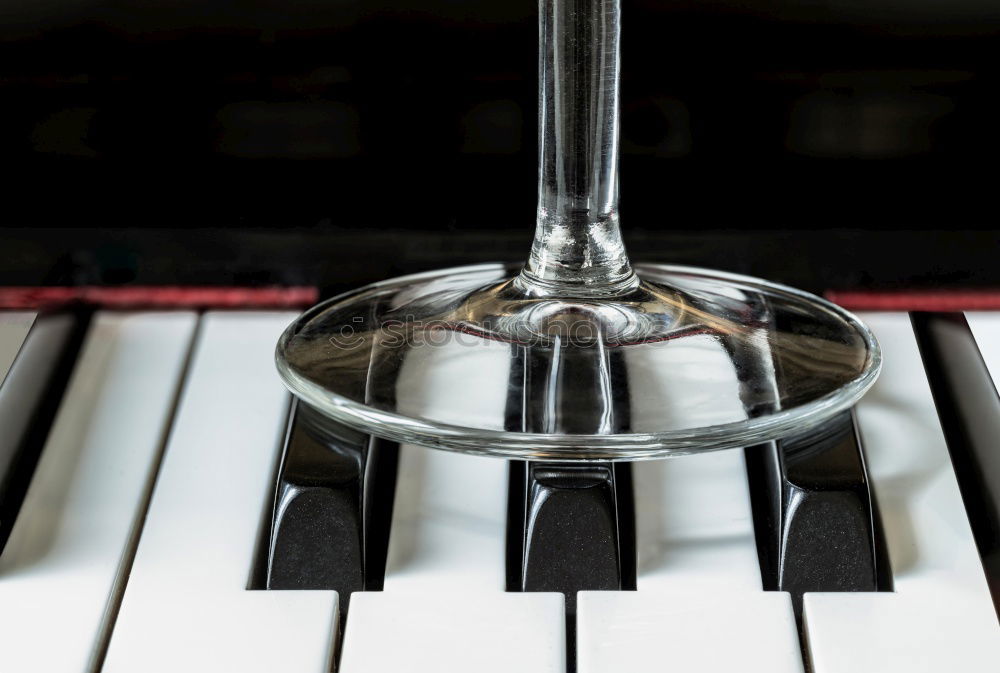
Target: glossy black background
x=826, y=143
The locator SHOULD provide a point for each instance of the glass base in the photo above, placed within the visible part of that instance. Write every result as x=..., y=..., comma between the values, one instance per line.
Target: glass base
x=482, y=360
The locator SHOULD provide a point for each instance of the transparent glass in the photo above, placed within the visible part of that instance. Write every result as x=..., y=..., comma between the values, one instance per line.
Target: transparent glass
x=578, y=355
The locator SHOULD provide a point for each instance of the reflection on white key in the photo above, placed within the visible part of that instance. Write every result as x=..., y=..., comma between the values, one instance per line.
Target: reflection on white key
x=985, y=328
x=186, y=607
x=68, y=551
x=941, y=616
x=444, y=608
x=433, y=381
x=14, y=326
x=699, y=604
x=702, y=389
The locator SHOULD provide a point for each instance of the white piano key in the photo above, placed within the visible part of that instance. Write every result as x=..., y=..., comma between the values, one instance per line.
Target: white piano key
x=694, y=525
x=633, y=631
x=186, y=607
x=443, y=607
x=448, y=524
x=14, y=327
x=940, y=616
x=450, y=510
x=698, y=582
x=985, y=328
x=40, y=341
x=699, y=604
x=450, y=632
x=68, y=552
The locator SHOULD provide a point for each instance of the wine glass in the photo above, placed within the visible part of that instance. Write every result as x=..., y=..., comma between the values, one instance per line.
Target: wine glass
x=578, y=354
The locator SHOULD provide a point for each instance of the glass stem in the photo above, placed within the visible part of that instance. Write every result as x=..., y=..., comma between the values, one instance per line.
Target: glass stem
x=578, y=248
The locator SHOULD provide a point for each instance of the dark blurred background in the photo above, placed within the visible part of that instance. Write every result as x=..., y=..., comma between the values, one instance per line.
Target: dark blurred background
x=827, y=143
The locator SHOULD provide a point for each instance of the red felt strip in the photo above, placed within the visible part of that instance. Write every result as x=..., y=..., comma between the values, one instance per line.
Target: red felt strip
x=153, y=297
x=931, y=300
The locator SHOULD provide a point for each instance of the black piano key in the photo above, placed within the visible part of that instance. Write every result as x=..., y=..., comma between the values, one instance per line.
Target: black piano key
x=570, y=527
x=969, y=409
x=814, y=516
x=332, y=508
x=29, y=399
x=379, y=492
x=815, y=520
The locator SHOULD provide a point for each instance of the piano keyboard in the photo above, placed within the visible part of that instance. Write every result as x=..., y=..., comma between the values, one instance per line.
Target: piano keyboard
x=139, y=527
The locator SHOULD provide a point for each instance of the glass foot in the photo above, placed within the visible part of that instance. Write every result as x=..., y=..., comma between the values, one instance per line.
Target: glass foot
x=674, y=361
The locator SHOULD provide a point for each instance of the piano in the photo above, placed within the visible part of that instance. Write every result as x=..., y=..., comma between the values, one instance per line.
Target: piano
x=183, y=182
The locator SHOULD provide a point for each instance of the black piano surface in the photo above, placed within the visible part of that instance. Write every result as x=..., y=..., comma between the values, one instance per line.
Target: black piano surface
x=828, y=145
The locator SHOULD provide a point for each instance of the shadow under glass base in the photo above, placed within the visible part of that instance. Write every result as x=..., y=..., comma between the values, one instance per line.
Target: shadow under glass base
x=475, y=359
